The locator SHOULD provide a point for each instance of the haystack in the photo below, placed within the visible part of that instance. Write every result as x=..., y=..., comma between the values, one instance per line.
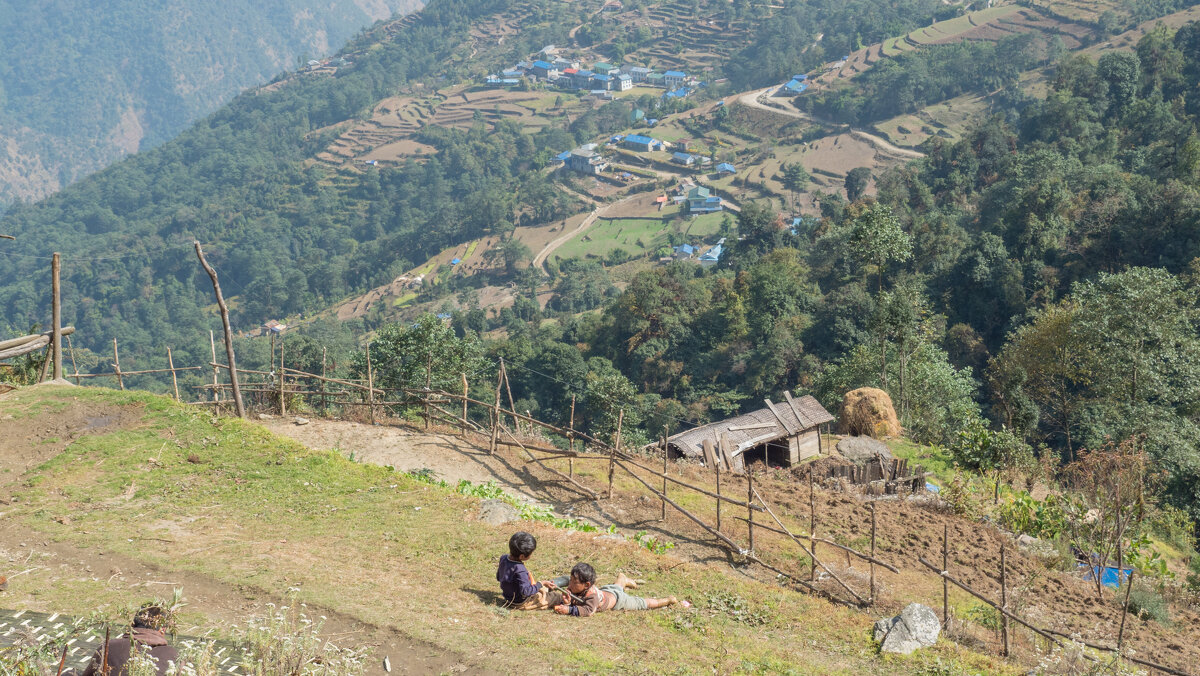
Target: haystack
x=868, y=411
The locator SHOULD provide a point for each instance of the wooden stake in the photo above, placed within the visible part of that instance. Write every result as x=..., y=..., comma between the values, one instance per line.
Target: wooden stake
x=717, y=467
x=212, y=345
x=1125, y=608
x=466, y=393
x=370, y=385
x=233, y=376
x=71, y=351
x=871, y=599
x=428, y=381
x=496, y=409
x=511, y=405
x=945, y=580
x=749, y=501
x=45, y=363
x=612, y=453
x=812, y=526
x=56, y=315
x=571, y=438
x=1003, y=598
x=117, y=365
x=324, y=356
x=174, y=378
x=663, y=517
x=282, y=403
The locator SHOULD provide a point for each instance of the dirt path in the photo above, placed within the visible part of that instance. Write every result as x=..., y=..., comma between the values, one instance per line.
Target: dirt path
x=539, y=261
x=752, y=99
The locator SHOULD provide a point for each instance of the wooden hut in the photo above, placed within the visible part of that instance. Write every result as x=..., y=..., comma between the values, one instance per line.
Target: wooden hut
x=781, y=434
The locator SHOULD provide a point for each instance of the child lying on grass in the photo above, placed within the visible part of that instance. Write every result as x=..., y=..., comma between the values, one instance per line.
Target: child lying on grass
x=584, y=598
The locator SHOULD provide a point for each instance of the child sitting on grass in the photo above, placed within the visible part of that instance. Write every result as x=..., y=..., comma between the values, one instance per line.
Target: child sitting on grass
x=583, y=597
x=517, y=585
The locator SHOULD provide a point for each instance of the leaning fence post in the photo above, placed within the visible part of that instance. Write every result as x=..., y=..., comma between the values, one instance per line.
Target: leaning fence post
x=324, y=402
x=71, y=351
x=663, y=517
x=749, y=501
x=612, y=453
x=945, y=581
x=717, y=467
x=56, y=311
x=1125, y=608
x=229, y=356
x=1003, y=598
x=174, y=380
x=117, y=365
x=871, y=598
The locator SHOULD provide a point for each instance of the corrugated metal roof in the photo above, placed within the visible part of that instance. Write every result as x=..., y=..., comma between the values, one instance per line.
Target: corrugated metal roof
x=765, y=427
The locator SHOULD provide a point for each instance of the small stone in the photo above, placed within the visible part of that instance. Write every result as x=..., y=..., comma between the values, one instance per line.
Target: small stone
x=497, y=512
x=265, y=416
x=301, y=421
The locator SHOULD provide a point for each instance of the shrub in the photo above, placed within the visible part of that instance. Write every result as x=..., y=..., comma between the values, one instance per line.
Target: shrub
x=959, y=496
x=1022, y=513
x=1145, y=602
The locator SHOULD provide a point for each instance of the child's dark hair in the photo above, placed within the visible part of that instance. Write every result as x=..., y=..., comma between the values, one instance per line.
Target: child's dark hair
x=151, y=616
x=584, y=572
x=521, y=544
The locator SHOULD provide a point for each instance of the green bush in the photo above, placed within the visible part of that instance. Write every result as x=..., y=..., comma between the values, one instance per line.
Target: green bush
x=1145, y=602
x=1022, y=513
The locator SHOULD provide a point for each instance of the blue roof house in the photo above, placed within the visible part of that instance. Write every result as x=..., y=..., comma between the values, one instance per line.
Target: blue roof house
x=685, y=159
x=726, y=168
x=712, y=256
x=684, y=251
x=702, y=201
x=642, y=143
x=674, y=78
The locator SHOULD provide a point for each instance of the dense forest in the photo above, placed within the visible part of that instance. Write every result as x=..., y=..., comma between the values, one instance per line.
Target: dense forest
x=83, y=84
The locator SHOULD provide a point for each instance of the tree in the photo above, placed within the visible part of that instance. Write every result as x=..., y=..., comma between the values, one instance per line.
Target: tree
x=428, y=350
x=876, y=237
x=1121, y=71
x=795, y=177
x=856, y=182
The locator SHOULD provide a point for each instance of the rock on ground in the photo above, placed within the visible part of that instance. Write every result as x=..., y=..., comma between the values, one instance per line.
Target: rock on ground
x=497, y=512
x=915, y=627
x=863, y=449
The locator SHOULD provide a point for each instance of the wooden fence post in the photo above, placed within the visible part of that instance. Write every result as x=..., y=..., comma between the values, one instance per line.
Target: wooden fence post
x=212, y=346
x=370, y=385
x=512, y=405
x=571, y=439
x=233, y=376
x=466, y=393
x=496, y=409
x=282, y=405
x=717, y=467
x=117, y=365
x=871, y=598
x=1125, y=608
x=812, y=526
x=612, y=453
x=749, y=501
x=945, y=582
x=56, y=312
x=1003, y=598
x=174, y=379
x=663, y=517
x=324, y=402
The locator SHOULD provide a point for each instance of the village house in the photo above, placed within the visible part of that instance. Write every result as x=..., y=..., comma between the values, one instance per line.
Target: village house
x=544, y=70
x=624, y=83
x=674, y=78
x=780, y=435
x=726, y=168
x=638, y=73
x=586, y=161
x=642, y=143
x=602, y=82
x=604, y=68
x=655, y=79
x=701, y=201
x=685, y=159
x=684, y=251
x=712, y=256
x=583, y=79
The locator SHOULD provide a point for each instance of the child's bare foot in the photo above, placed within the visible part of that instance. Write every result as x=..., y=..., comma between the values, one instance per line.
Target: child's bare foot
x=628, y=582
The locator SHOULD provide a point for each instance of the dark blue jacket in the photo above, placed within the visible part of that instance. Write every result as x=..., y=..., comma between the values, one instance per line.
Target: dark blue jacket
x=515, y=581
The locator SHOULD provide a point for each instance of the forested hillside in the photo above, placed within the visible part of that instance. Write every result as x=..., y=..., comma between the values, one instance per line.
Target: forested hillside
x=1036, y=278
x=83, y=84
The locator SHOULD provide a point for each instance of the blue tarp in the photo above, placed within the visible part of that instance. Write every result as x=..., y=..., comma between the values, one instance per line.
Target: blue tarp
x=1109, y=578
x=932, y=488
x=455, y=261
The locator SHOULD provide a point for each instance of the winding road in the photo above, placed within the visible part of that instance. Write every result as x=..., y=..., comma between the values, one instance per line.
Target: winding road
x=752, y=99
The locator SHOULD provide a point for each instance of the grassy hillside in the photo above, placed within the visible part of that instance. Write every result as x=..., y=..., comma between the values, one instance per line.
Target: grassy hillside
x=86, y=84
x=220, y=500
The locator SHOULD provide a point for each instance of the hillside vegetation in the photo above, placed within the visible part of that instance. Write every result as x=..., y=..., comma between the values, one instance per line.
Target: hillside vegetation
x=86, y=84
x=224, y=501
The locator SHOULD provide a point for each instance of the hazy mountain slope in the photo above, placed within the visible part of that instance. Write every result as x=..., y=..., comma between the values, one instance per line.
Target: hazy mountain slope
x=83, y=84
